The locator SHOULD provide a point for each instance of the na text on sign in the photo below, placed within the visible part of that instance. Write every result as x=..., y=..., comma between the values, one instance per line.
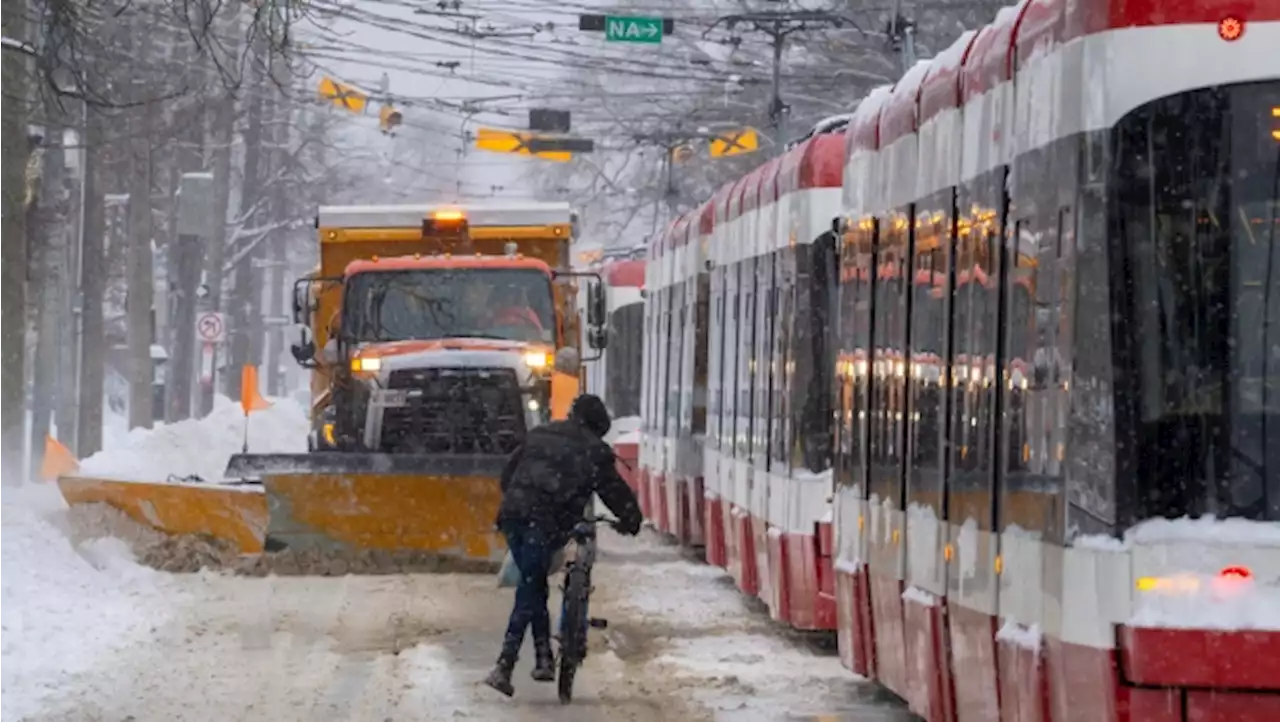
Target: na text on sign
x=632, y=30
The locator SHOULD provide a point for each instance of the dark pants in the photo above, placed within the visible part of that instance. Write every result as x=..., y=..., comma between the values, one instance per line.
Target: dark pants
x=531, y=550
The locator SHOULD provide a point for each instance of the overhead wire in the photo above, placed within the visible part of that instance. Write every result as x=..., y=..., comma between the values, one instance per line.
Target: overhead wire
x=625, y=63
x=505, y=56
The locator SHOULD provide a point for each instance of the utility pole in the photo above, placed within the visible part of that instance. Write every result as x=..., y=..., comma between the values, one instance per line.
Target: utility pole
x=902, y=36
x=778, y=110
x=222, y=135
x=779, y=26
x=13, y=296
x=91, y=271
x=196, y=222
x=669, y=142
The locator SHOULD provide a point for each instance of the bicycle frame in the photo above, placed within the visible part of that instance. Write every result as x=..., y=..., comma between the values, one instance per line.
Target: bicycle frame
x=584, y=558
x=577, y=595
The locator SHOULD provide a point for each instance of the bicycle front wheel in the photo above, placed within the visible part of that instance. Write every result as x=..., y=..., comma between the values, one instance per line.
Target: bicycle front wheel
x=573, y=630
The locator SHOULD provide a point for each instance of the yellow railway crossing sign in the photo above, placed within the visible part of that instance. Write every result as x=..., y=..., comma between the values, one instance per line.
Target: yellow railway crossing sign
x=734, y=142
x=558, y=149
x=343, y=95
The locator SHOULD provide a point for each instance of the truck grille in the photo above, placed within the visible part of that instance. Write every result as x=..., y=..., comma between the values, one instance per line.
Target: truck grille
x=458, y=411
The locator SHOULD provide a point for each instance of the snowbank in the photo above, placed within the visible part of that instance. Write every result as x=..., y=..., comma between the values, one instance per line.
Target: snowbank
x=65, y=610
x=202, y=446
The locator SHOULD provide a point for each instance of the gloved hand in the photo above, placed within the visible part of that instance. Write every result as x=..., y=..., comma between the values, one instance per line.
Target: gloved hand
x=629, y=526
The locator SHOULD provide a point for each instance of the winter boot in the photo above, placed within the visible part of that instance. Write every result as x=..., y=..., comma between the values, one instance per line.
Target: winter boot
x=544, y=665
x=500, y=677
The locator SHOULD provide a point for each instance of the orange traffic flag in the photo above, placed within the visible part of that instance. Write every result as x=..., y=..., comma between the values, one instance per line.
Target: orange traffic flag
x=58, y=460
x=250, y=399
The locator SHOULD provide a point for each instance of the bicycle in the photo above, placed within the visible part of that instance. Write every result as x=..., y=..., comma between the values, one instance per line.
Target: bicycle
x=574, y=621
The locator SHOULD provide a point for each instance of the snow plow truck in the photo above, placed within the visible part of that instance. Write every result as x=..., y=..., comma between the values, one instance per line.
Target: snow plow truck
x=436, y=337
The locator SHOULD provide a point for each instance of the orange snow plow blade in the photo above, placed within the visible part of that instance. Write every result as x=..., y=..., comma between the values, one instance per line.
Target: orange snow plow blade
x=433, y=505
x=238, y=516
x=449, y=516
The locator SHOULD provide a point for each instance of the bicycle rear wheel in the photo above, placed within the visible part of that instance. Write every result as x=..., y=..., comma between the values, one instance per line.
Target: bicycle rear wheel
x=573, y=628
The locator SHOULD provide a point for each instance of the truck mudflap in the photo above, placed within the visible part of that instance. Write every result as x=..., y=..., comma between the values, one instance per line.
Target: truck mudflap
x=355, y=503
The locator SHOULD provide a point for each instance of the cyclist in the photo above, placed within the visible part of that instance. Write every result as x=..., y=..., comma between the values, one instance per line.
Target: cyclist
x=546, y=487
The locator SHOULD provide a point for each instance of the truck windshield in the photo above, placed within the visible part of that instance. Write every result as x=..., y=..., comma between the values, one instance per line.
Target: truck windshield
x=448, y=303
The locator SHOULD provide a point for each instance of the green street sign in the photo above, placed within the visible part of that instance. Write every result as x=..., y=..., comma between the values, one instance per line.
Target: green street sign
x=632, y=30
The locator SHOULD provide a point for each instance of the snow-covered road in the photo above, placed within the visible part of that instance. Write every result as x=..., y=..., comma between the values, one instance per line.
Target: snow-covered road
x=89, y=635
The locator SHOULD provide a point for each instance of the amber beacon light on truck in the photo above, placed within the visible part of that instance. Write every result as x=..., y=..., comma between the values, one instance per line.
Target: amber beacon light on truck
x=445, y=220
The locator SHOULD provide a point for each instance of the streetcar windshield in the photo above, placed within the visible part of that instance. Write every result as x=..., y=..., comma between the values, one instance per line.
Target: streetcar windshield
x=1198, y=189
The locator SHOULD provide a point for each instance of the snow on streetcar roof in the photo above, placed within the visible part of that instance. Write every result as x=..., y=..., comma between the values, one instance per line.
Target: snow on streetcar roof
x=822, y=165
x=941, y=89
x=707, y=216
x=628, y=274
x=990, y=59
x=751, y=191
x=1039, y=30
x=899, y=116
x=865, y=126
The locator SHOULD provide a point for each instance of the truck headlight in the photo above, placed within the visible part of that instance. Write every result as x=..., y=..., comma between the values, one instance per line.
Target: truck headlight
x=538, y=360
x=371, y=365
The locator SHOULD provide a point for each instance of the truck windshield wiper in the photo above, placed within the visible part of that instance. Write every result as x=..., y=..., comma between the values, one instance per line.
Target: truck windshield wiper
x=483, y=335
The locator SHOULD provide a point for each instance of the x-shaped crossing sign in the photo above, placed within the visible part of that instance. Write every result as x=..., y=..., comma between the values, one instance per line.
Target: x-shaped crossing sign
x=736, y=142
x=344, y=96
x=497, y=140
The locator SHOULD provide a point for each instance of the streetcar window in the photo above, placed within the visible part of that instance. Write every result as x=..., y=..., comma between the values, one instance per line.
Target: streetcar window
x=889, y=407
x=784, y=328
x=675, y=358
x=715, y=374
x=622, y=385
x=701, y=353
x=927, y=345
x=1197, y=191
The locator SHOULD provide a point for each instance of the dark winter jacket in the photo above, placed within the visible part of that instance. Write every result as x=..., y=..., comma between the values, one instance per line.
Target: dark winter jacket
x=550, y=478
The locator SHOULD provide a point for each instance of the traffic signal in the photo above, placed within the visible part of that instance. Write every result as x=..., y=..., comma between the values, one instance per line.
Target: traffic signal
x=388, y=118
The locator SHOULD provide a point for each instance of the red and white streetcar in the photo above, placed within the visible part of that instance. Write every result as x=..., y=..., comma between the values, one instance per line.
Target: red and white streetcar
x=1040, y=480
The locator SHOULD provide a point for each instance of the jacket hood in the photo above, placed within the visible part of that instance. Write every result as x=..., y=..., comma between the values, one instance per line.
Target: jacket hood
x=589, y=411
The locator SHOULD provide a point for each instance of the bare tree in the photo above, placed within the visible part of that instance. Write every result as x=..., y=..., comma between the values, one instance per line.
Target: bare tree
x=13, y=309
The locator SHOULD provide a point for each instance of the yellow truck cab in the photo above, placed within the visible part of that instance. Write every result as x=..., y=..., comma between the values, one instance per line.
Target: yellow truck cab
x=444, y=329
x=437, y=337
